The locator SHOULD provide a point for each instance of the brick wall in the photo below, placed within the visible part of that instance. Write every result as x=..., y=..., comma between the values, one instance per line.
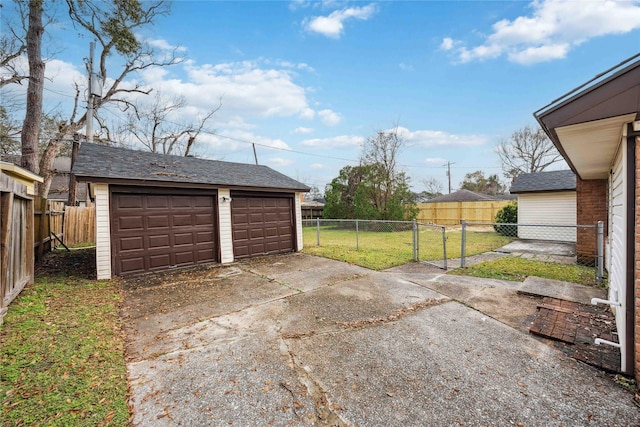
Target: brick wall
x=591, y=207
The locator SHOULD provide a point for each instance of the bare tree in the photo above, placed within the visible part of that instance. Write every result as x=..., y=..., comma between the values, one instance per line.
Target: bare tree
x=33, y=116
x=13, y=45
x=433, y=187
x=381, y=153
x=113, y=25
x=152, y=126
x=528, y=150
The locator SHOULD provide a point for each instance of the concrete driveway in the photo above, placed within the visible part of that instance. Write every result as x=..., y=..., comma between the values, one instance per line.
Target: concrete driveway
x=303, y=340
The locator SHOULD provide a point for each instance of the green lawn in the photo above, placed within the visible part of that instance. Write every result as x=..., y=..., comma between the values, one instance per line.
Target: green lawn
x=381, y=250
x=61, y=355
x=518, y=269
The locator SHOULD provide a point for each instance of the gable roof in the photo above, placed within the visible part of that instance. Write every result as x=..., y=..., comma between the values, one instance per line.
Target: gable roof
x=564, y=180
x=98, y=162
x=462, y=196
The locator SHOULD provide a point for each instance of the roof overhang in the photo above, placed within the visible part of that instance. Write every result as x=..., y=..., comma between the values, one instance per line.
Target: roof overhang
x=587, y=124
x=21, y=175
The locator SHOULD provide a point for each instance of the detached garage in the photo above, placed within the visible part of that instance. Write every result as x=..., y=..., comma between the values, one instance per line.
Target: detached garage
x=155, y=212
x=546, y=198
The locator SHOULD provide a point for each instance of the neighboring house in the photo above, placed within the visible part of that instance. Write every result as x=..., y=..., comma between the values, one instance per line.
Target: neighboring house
x=546, y=198
x=59, y=190
x=596, y=128
x=155, y=211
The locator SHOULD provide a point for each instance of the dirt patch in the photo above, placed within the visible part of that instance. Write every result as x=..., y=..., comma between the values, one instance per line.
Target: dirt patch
x=79, y=263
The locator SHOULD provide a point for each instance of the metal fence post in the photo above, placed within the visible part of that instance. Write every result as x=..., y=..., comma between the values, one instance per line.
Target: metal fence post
x=318, y=229
x=444, y=247
x=462, y=243
x=600, y=253
x=415, y=241
x=357, y=241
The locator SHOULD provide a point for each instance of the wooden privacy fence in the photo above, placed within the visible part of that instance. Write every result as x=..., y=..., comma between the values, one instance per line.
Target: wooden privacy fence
x=48, y=219
x=79, y=225
x=16, y=240
x=452, y=213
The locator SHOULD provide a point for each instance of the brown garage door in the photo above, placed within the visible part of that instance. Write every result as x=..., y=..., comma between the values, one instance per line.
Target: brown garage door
x=159, y=231
x=261, y=225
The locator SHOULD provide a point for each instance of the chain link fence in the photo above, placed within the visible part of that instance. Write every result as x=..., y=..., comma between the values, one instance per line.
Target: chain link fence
x=383, y=242
x=565, y=244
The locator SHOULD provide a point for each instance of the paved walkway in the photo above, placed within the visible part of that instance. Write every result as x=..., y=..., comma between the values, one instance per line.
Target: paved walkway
x=302, y=340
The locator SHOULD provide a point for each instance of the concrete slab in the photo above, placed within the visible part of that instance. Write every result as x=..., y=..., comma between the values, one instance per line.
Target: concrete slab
x=375, y=296
x=245, y=345
x=303, y=272
x=546, y=247
x=561, y=290
x=450, y=365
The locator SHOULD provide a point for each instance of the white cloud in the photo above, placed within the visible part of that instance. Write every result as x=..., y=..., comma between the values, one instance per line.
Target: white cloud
x=329, y=118
x=552, y=29
x=279, y=161
x=333, y=24
x=447, y=43
x=317, y=166
x=433, y=138
x=164, y=45
x=246, y=89
x=405, y=67
x=435, y=161
x=302, y=130
x=343, y=141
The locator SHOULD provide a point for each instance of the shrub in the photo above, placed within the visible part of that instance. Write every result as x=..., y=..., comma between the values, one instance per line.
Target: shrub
x=507, y=215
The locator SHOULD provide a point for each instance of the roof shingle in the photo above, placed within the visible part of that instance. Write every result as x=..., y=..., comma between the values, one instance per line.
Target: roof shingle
x=564, y=180
x=104, y=162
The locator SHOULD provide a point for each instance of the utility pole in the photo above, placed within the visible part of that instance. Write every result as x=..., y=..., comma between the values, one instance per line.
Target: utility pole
x=89, y=126
x=448, y=165
x=255, y=155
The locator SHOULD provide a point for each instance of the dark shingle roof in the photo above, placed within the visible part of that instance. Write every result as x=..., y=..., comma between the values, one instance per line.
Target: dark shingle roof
x=564, y=180
x=104, y=162
x=462, y=196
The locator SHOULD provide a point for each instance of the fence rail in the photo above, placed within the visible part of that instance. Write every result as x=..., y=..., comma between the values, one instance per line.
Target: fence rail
x=404, y=241
x=561, y=243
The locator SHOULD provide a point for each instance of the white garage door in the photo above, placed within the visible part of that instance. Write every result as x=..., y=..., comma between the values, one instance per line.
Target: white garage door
x=548, y=208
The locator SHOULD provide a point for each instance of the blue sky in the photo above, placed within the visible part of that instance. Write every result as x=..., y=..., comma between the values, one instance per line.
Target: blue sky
x=309, y=81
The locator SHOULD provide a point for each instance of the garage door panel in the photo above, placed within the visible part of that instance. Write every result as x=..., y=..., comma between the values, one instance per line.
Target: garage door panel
x=261, y=225
x=156, y=201
x=157, y=231
x=181, y=239
x=131, y=222
x=203, y=219
x=130, y=201
x=157, y=221
x=160, y=241
x=183, y=258
x=133, y=265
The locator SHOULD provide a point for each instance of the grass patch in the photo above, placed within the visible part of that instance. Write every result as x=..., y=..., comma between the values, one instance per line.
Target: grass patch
x=61, y=356
x=518, y=269
x=381, y=250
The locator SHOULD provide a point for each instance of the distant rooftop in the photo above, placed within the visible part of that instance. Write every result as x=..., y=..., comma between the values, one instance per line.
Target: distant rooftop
x=564, y=180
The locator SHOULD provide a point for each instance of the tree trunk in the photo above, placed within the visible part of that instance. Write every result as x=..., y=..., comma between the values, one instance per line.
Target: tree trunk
x=46, y=166
x=33, y=116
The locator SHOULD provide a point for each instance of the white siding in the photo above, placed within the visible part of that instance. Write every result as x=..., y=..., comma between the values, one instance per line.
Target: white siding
x=103, y=231
x=224, y=221
x=298, y=208
x=618, y=244
x=548, y=208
